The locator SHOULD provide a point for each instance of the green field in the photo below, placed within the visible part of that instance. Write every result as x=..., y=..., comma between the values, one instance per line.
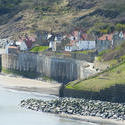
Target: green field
x=39, y=49
x=84, y=51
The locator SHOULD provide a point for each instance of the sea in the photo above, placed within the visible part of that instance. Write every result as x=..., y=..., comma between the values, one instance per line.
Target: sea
x=12, y=114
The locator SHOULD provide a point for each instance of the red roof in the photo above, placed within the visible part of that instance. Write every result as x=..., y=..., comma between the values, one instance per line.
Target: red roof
x=28, y=40
x=124, y=35
x=84, y=36
x=75, y=33
x=32, y=38
x=28, y=43
x=13, y=47
x=20, y=40
x=106, y=37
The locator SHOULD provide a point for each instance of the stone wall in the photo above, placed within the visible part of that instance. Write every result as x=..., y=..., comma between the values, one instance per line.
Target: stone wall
x=0, y=63
x=113, y=94
x=103, y=45
x=106, y=44
x=81, y=56
x=60, y=69
x=89, y=57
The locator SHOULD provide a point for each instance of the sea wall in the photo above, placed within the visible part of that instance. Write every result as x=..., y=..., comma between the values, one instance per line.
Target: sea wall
x=113, y=94
x=80, y=107
x=89, y=57
x=81, y=56
x=60, y=69
x=0, y=63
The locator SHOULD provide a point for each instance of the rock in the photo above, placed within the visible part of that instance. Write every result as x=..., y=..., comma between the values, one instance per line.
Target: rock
x=77, y=106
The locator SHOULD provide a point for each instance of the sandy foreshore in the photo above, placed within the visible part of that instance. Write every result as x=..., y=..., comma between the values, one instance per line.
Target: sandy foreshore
x=91, y=119
x=25, y=84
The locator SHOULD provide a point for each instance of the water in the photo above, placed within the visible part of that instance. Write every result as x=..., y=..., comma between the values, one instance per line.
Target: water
x=12, y=114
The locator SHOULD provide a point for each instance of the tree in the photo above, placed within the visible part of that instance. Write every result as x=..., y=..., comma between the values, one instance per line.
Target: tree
x=9, y=3
x=120, y=27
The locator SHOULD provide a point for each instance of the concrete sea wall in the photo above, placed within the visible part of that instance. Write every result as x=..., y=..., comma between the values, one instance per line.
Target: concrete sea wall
x=113, y=94
x=60, y=69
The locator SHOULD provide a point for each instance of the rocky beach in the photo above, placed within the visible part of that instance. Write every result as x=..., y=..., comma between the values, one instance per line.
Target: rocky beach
x=102, y=112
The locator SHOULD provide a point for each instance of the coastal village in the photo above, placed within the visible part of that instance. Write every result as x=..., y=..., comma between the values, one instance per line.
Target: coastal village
x=62, y=57
x=98, y=105
x=94, y=98
x=62, y=62
x=75, y=41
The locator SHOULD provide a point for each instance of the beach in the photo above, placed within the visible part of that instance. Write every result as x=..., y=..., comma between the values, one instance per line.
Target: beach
x=30, y=85
x=96, y=120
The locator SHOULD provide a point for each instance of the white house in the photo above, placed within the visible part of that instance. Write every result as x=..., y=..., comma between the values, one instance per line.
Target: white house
x=86, y=45
x=6, y=49
x=11, y=43
x=121, y=35
x=52, y=45
x=71, y=37
x=3, y=43
x=22, y=45
x=49, y=36
x=81, y=45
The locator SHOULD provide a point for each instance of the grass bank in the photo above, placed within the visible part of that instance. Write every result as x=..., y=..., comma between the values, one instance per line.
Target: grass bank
x=107, y=79
x=106, y=86
x=39, y=49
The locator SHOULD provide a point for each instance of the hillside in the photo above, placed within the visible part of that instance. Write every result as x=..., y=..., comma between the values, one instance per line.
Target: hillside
x=107, y=85
x=110, y=78
x=31, y=16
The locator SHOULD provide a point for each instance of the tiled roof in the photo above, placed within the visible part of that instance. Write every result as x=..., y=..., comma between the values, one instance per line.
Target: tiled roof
x=75, y=33
x=106, y=37
x=84, y=36
x=13, y=47
x=28, y=43
x=124, y=35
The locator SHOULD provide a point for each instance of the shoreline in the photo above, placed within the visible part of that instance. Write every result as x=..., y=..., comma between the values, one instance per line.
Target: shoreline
x=31, y=85
x=77, y=109
x=91, y=119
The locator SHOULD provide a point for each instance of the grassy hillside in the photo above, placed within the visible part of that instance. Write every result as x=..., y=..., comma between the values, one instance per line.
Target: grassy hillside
x=108, y=78
x=113, y=56
x=101, y=82
x=29, y=16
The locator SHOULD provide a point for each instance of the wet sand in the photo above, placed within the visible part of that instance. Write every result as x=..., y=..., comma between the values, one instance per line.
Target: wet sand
x=96, y=120
x=24, y=84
